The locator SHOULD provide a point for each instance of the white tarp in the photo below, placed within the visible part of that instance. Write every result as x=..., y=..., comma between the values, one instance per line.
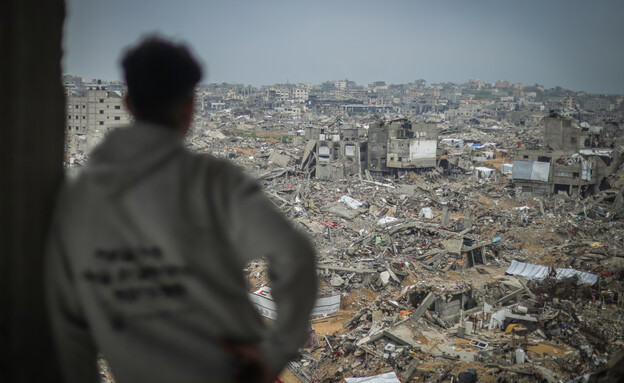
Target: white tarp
x=498, y=318
x=388, y=377
x=530, y=170
x=541, y=170
x=522, y=170
x=484, y=172
x=425, y=212
x=386, y=220
x=538, y=272
x=351, y=202
x=506, y=168
x=265, y=305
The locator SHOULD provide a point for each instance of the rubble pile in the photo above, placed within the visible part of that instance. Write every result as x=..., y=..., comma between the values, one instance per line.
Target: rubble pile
x=420, y=264
x=442, y=276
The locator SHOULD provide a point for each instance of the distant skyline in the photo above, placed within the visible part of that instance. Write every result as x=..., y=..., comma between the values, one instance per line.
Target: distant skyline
x=570, y=43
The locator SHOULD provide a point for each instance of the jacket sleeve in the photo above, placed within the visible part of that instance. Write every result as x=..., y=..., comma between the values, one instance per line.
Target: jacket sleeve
x=74, y=347
x=259, y=230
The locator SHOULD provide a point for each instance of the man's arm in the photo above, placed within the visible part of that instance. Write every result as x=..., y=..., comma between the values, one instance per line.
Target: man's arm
x=260, y=230
x=75, y=349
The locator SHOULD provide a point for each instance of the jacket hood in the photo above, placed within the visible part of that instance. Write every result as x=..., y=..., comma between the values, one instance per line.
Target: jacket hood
x=128, y=154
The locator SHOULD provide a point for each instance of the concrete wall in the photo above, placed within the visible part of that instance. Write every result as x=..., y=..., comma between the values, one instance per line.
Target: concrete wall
x=412, y=146
x=31, y=148
x=400, y=144
x=423, y=149
x=89, y=117
x=561, y=133
x=344, y=159
x=331, y=171
x=412, y=153
x=106, y=111
x=377, y=147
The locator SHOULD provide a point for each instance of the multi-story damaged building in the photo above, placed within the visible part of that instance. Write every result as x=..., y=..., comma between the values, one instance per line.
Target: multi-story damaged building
x=397, y=146
x=574, y=158
x=394, y=147
x=338, y=153
x=90, y=114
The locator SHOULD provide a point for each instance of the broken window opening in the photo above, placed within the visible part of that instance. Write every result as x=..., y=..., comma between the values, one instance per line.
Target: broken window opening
x=561, y=188
x=543, y=159
x=350, y=150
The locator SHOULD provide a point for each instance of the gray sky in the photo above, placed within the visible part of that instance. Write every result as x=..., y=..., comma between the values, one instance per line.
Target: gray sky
x=576, y=44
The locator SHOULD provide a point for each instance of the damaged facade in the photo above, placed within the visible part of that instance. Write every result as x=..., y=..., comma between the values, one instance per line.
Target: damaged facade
x=395, y=147
x=574, y=159
x=338, y=153
x=434, y=275
x=399, y=145
x=91, y=113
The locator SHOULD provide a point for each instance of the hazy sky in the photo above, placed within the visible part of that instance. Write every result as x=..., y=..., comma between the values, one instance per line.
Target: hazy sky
x=576, y=44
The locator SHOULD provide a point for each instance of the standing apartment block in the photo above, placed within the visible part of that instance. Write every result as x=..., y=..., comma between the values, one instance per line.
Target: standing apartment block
x=91, y=114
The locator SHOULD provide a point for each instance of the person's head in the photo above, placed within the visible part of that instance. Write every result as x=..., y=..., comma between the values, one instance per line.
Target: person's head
x=161, y=78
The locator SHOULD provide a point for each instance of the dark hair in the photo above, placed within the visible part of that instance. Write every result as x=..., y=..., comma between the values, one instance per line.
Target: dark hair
x=160, y=76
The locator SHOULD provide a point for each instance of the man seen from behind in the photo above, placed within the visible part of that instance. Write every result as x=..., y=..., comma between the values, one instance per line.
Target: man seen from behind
x=149, y=241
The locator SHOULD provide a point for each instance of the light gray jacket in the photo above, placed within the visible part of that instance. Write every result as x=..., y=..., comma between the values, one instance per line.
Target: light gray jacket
x=145, y=262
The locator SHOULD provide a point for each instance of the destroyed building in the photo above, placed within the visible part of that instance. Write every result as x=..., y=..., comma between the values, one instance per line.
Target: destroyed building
x=337, y=154
x=391, y=148
x=398, y=146
x=90, y=114
x=574, y=158
x=433, y=275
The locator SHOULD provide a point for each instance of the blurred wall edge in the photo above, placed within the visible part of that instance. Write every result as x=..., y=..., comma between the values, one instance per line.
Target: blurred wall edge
x=31, y=155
